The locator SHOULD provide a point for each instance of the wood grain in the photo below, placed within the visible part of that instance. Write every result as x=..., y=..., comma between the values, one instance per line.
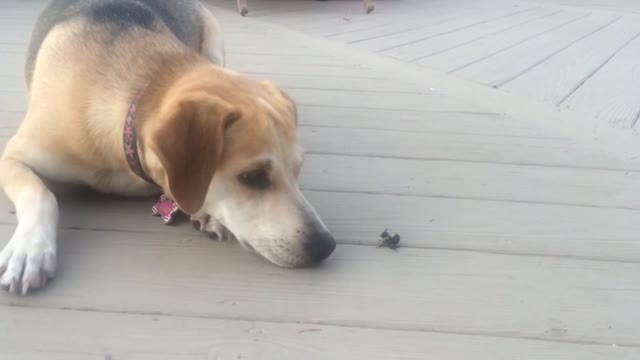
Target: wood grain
x=424, y=222
x=417, y=121
x=447, y=291
x=434, y=17
x=554, y=80
x=612, y=92
x=467, y=54
x=13, y=101
x=517, y=241
x=433, y=45
x=378, y=100
x=452, y=146
x=412, y=36
x=349, y=83
x=99, y=335
x=549, y=185
x=502, y=67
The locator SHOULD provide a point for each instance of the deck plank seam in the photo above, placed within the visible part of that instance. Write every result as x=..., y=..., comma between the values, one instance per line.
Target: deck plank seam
x=598, y=68
x=457, y=29
x=364, y=325
x=533, y=36
x=531, y=164
x=485, y=36
x=551, y=55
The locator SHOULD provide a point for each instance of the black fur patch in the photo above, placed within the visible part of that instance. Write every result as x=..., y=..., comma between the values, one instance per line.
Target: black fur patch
x=125, y=13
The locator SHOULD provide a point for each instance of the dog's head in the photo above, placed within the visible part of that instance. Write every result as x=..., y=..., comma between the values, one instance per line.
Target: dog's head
x=228, y=152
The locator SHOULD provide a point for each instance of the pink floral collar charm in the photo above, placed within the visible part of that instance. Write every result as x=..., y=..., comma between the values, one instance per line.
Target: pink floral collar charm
x=167, y=209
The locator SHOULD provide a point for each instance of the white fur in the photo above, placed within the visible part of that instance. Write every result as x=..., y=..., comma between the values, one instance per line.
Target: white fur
x=276, y=227
x=29, y=259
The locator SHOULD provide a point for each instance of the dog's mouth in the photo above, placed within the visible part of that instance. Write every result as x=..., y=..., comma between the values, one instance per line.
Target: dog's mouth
x=278, y=255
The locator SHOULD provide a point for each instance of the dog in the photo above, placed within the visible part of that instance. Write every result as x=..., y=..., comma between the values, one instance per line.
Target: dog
x=131, y=97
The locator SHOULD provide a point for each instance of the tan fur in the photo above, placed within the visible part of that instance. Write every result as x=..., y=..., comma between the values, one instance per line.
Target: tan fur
x=190, y=165
x=200, y=127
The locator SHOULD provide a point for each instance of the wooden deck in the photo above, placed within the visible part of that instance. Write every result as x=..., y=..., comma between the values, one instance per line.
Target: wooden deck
x=520, y=229
x=579, y=55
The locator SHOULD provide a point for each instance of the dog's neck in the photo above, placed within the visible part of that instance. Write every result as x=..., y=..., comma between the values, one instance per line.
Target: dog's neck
x=166, y=208
x=130, y=139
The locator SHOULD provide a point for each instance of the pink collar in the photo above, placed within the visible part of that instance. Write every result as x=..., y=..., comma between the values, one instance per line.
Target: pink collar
x=130, y=139
x=166, y=208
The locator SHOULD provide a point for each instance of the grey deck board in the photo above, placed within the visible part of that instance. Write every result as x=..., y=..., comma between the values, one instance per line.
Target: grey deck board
x=433, y=45
x=14, y=101
x=448, y=222
x=455, y=179
x=431, y=290
x=417, y=121
x=393, y=41
x=456, y=146
x=349, y=83
x=518, y=240
x=97, y=335
x=355, y=28
x=612, y=92
x=509, y=64
x=468, y=54
x=556, y=79
x=485, y=42
x=413, y=23
x=381, y=100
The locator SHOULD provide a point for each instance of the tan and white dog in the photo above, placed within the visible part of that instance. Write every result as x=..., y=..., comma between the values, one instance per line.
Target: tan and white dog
x=224, y=147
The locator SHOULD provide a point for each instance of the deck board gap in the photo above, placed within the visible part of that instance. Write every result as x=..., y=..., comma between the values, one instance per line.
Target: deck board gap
x=549, y=56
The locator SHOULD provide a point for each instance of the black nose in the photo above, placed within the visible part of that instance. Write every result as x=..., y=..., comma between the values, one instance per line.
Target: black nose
x=320, y=245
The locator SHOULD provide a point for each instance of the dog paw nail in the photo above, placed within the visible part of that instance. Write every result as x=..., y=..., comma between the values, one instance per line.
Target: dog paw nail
x=196, y=224
x=13, y=288
x=25, y=288
x=213, y=235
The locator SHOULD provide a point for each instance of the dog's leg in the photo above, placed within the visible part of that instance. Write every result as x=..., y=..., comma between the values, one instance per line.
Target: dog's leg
x=368, y=6
x=243, y=8
x=29, y=259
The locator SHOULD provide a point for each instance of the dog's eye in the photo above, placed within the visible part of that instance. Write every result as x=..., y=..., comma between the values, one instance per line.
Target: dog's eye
x=255, y=179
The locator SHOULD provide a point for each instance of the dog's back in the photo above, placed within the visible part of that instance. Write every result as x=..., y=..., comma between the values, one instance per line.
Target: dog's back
x=182, y=17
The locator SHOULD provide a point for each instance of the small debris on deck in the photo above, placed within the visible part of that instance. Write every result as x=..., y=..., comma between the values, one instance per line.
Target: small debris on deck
x=388, y=240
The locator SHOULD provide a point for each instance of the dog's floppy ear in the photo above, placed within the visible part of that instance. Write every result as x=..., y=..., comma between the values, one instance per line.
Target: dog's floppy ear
x=189, y=145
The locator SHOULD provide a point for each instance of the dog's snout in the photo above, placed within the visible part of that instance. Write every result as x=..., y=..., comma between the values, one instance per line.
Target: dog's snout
x=320, y=245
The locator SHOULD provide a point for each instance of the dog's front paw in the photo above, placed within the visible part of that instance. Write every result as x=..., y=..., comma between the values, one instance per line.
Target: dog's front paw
x=210, y=226
x=29, y=260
